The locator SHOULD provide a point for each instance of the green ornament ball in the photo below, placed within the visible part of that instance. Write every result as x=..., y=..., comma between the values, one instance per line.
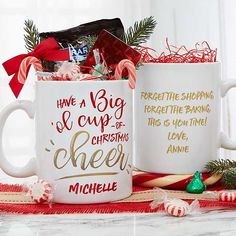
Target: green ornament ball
x=196, y=185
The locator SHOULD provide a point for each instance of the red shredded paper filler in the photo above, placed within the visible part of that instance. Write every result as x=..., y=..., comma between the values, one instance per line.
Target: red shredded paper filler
x=202, y=53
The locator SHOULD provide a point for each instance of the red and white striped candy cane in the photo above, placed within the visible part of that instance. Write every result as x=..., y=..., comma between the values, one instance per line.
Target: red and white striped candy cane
x=227, y=196
x=171, y=181
x=25, y=65
x=129, y=65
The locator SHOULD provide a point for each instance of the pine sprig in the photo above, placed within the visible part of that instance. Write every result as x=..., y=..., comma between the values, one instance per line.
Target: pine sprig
x=31, y=36
x=229, y=178
x=140, y=32
x=220, y=166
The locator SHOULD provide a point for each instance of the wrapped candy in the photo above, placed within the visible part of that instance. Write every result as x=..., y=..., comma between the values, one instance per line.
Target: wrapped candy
x=174, y=207
x=76, y=34
x=40, y=191
x=71, y=71
x=223, y=195
x=177, y=207
x=113, y=50
x=101, y=67
x=196, y=185
x=79, y=39
x=67, y=71
x=227, y=196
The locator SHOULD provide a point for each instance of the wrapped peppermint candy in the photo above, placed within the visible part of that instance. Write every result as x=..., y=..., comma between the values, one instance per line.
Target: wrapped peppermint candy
x=227, y=196
x=67, y=71
x=40, y=191
x=223, y=195
x=174, y=207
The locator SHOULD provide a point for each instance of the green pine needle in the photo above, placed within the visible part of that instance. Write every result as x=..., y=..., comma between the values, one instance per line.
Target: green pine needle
x=220, y=166
x=229, y=178
x=140, y=32
x=31, y=36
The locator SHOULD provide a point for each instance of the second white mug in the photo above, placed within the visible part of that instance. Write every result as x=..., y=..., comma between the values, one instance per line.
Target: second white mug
x=178, y=117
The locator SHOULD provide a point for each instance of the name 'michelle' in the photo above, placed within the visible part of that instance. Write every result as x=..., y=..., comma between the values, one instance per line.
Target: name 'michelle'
x=92, y=188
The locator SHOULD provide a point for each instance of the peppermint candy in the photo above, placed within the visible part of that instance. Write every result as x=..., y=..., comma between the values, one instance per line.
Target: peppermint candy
x=67, y=71
x=177, y=207
x=173, y=206
x=227, y=196
x=40, y=191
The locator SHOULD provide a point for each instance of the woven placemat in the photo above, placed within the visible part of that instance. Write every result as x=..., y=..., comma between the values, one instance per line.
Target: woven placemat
x=139, y=196
x=13, y=199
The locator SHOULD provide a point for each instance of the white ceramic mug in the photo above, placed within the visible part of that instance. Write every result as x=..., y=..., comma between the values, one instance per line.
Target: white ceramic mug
x=177, y=117
x=83, y=139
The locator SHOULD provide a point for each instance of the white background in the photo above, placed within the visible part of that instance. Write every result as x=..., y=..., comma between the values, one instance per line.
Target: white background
x=184, y=22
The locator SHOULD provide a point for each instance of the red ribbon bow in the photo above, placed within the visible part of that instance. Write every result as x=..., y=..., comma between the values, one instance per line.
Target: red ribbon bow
x=48, y=50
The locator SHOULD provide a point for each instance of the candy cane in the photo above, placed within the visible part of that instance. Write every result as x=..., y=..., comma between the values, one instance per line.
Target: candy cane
x=25, y=65
x=67, y=71
x=129, y=65
x=171, y=181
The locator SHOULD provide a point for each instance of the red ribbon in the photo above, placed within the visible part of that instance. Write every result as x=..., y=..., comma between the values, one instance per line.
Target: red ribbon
x=48, y=50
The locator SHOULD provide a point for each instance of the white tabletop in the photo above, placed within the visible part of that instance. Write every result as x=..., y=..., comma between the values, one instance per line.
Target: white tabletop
x=219, y=223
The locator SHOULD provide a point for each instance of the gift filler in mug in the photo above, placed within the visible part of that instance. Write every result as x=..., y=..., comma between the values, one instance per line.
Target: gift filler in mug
x=177, y=117
x=83, y=139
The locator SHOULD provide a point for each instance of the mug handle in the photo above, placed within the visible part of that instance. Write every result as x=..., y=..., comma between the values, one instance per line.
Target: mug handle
x=225, y=141
x=30, y=168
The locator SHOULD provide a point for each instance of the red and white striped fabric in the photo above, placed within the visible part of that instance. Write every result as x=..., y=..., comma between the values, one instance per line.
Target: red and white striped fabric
x=40, y=191
x=177, y=207
x=227, y=196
